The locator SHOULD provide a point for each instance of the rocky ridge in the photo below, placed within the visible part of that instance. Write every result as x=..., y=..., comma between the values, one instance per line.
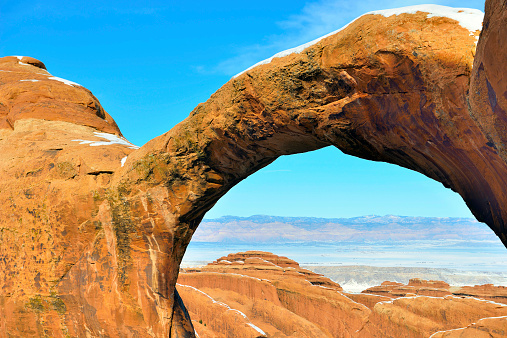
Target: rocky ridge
x=257, y=285
x=421, y=287
x=93, y=230
x=273, y=293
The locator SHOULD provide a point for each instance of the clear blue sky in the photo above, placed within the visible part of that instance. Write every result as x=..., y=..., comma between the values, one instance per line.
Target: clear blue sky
x=151, y=62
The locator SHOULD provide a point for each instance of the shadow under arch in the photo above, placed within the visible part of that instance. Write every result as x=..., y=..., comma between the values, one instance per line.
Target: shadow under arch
x=377, y=99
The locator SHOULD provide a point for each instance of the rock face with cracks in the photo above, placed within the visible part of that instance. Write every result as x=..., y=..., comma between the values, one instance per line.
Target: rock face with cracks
x=92, y=230
x=274, y=296
x=249, y=292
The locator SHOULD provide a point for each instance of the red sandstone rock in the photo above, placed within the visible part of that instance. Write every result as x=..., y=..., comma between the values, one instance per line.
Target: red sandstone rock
x=422, y=287
x=418, y=309
x=369, y=300
x=91, y=247
x=285, y=302
x=422, y=316
x=487, y=291
x=261, y=264
x=495, y=327
x=488, y=96
x=29, y=91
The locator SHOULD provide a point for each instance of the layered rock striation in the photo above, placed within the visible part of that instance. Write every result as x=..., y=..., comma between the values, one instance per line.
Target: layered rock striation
x=272, y=293
x=93, y=230
x=421, y=287
x=273, y=299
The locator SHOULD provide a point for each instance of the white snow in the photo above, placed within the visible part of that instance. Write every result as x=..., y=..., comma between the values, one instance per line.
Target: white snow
x=22, y=63
x=238, y=274
x=111, y=139
x=462, y=328
x=370, y=294
x=241, y=313
x=468, y=18
x=297, y=49
x=224, y=305
x=29, y=80
x=123, y=160
x=487, y=301
x=196, y=289
x=257, y=329
x=500, y=317
x=458, y=329
x=354, y=287
x=19, y=57
x=67, y=82
x=476, y=39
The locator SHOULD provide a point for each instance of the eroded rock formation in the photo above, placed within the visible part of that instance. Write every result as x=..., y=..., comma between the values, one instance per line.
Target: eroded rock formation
x=93, y=231
x=420, y=287
x=273, y=299
x=271, y=292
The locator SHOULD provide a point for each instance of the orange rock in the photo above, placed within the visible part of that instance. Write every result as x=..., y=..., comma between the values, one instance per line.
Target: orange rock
x=495, y=327
x=487, y=291
x=217, y=315
x=369, y=300
x=423, y=287
x=314, y=311
x=29, y=91
x=422, y=316
x=284, y=302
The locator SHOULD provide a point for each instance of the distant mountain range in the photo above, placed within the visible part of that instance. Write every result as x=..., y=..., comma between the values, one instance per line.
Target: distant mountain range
x=262, y=228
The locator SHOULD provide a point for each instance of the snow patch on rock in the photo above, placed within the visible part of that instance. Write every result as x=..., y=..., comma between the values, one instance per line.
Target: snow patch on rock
x=67, y=82
x=224, y=305
x=257, y=329
x=111, y=139
x=468, y=18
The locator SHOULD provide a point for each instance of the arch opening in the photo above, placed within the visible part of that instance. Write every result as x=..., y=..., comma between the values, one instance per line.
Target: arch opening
x=347, y=236
x=391, y=105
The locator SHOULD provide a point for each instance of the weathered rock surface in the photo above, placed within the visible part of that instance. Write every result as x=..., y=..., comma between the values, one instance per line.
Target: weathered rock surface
x=91, y=242
x=261, y=264
x=280, y=305
x=273, y=293
x=422, y=316
x=484, y=328
x=432, y=288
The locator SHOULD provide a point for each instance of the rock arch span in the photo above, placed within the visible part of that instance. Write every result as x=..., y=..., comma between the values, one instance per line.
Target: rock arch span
x=93, y=243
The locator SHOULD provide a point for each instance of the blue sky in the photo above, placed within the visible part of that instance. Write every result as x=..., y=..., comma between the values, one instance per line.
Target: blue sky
x=151, y=62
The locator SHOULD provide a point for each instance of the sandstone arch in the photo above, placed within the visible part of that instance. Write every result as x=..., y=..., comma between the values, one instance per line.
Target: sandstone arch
x=104, y=236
